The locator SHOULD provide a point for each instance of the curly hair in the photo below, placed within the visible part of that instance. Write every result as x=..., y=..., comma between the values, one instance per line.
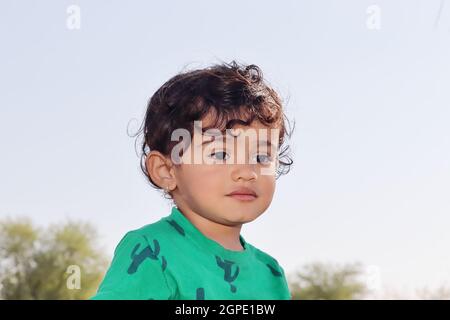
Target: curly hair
x=235, y=93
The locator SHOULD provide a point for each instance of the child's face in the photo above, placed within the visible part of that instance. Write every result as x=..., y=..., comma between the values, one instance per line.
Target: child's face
x=205, y=188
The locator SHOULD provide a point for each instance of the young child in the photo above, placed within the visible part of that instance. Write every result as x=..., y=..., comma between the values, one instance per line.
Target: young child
x=197, y=251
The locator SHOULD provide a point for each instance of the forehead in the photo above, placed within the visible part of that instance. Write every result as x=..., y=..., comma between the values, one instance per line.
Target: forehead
x=256, y=130
x=253, y=132
x=210, y=118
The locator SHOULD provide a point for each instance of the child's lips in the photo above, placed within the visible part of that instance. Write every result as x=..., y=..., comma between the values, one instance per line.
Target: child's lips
x=244, y=194
x=243, y=197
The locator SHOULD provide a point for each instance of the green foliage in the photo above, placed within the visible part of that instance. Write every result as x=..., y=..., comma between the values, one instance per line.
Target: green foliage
x=34, y=262
x=318, y=281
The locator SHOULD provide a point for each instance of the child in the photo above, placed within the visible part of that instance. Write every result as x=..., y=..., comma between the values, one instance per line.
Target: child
x=197, y=252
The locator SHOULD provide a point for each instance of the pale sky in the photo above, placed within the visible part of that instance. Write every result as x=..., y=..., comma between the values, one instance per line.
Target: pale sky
x=371, y=177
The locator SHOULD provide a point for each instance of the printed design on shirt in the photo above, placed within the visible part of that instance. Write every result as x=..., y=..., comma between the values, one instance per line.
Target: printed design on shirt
x=164, y=263
x=227, y=266
x=274, y=271
x=200, y=294
x=176, y=226
x=147, y=252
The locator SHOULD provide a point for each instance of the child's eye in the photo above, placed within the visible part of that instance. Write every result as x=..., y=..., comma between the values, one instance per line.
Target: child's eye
x=221, y=155
x=263, y=158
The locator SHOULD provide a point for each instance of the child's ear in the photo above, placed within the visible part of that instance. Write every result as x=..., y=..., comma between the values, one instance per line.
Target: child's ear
x=160, y=170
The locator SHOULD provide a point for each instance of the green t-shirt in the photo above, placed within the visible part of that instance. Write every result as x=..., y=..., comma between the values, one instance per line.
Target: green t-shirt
x=171, y=259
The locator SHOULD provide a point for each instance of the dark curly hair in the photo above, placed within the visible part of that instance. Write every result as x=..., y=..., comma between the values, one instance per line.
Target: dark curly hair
x=235, y=93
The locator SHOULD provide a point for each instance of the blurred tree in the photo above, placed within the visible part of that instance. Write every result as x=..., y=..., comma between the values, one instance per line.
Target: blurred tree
x=318, y=281
x=59, y=262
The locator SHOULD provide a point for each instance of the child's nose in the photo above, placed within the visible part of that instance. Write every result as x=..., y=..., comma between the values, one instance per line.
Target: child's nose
x=244, y=171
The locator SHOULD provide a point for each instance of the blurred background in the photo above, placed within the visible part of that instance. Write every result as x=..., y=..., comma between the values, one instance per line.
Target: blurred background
x=364, y=212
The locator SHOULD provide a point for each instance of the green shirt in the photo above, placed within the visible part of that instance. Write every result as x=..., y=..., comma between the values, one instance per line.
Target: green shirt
x=171, y=259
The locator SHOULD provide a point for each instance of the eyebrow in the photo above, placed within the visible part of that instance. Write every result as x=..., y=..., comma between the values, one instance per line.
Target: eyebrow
x=214, y=137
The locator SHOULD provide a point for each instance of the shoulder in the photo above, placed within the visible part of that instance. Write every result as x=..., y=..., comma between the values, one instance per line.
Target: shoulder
x=138, y=269
x=158, y=226
x=145, y=234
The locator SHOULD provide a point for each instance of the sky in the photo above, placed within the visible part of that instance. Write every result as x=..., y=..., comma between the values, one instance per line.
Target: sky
x=371, y=104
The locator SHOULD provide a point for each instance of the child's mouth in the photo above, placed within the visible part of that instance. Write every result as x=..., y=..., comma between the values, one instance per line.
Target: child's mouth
x=243, y=194
x=243, y=197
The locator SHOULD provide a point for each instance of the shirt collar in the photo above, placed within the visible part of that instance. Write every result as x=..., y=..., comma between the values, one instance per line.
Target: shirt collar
x=186, y=228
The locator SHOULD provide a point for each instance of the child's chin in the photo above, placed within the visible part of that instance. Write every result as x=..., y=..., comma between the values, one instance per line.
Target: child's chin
x=235, y=222
x=234, y=217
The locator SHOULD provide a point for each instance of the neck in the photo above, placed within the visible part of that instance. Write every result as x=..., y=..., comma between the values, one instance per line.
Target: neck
x=226, y=236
